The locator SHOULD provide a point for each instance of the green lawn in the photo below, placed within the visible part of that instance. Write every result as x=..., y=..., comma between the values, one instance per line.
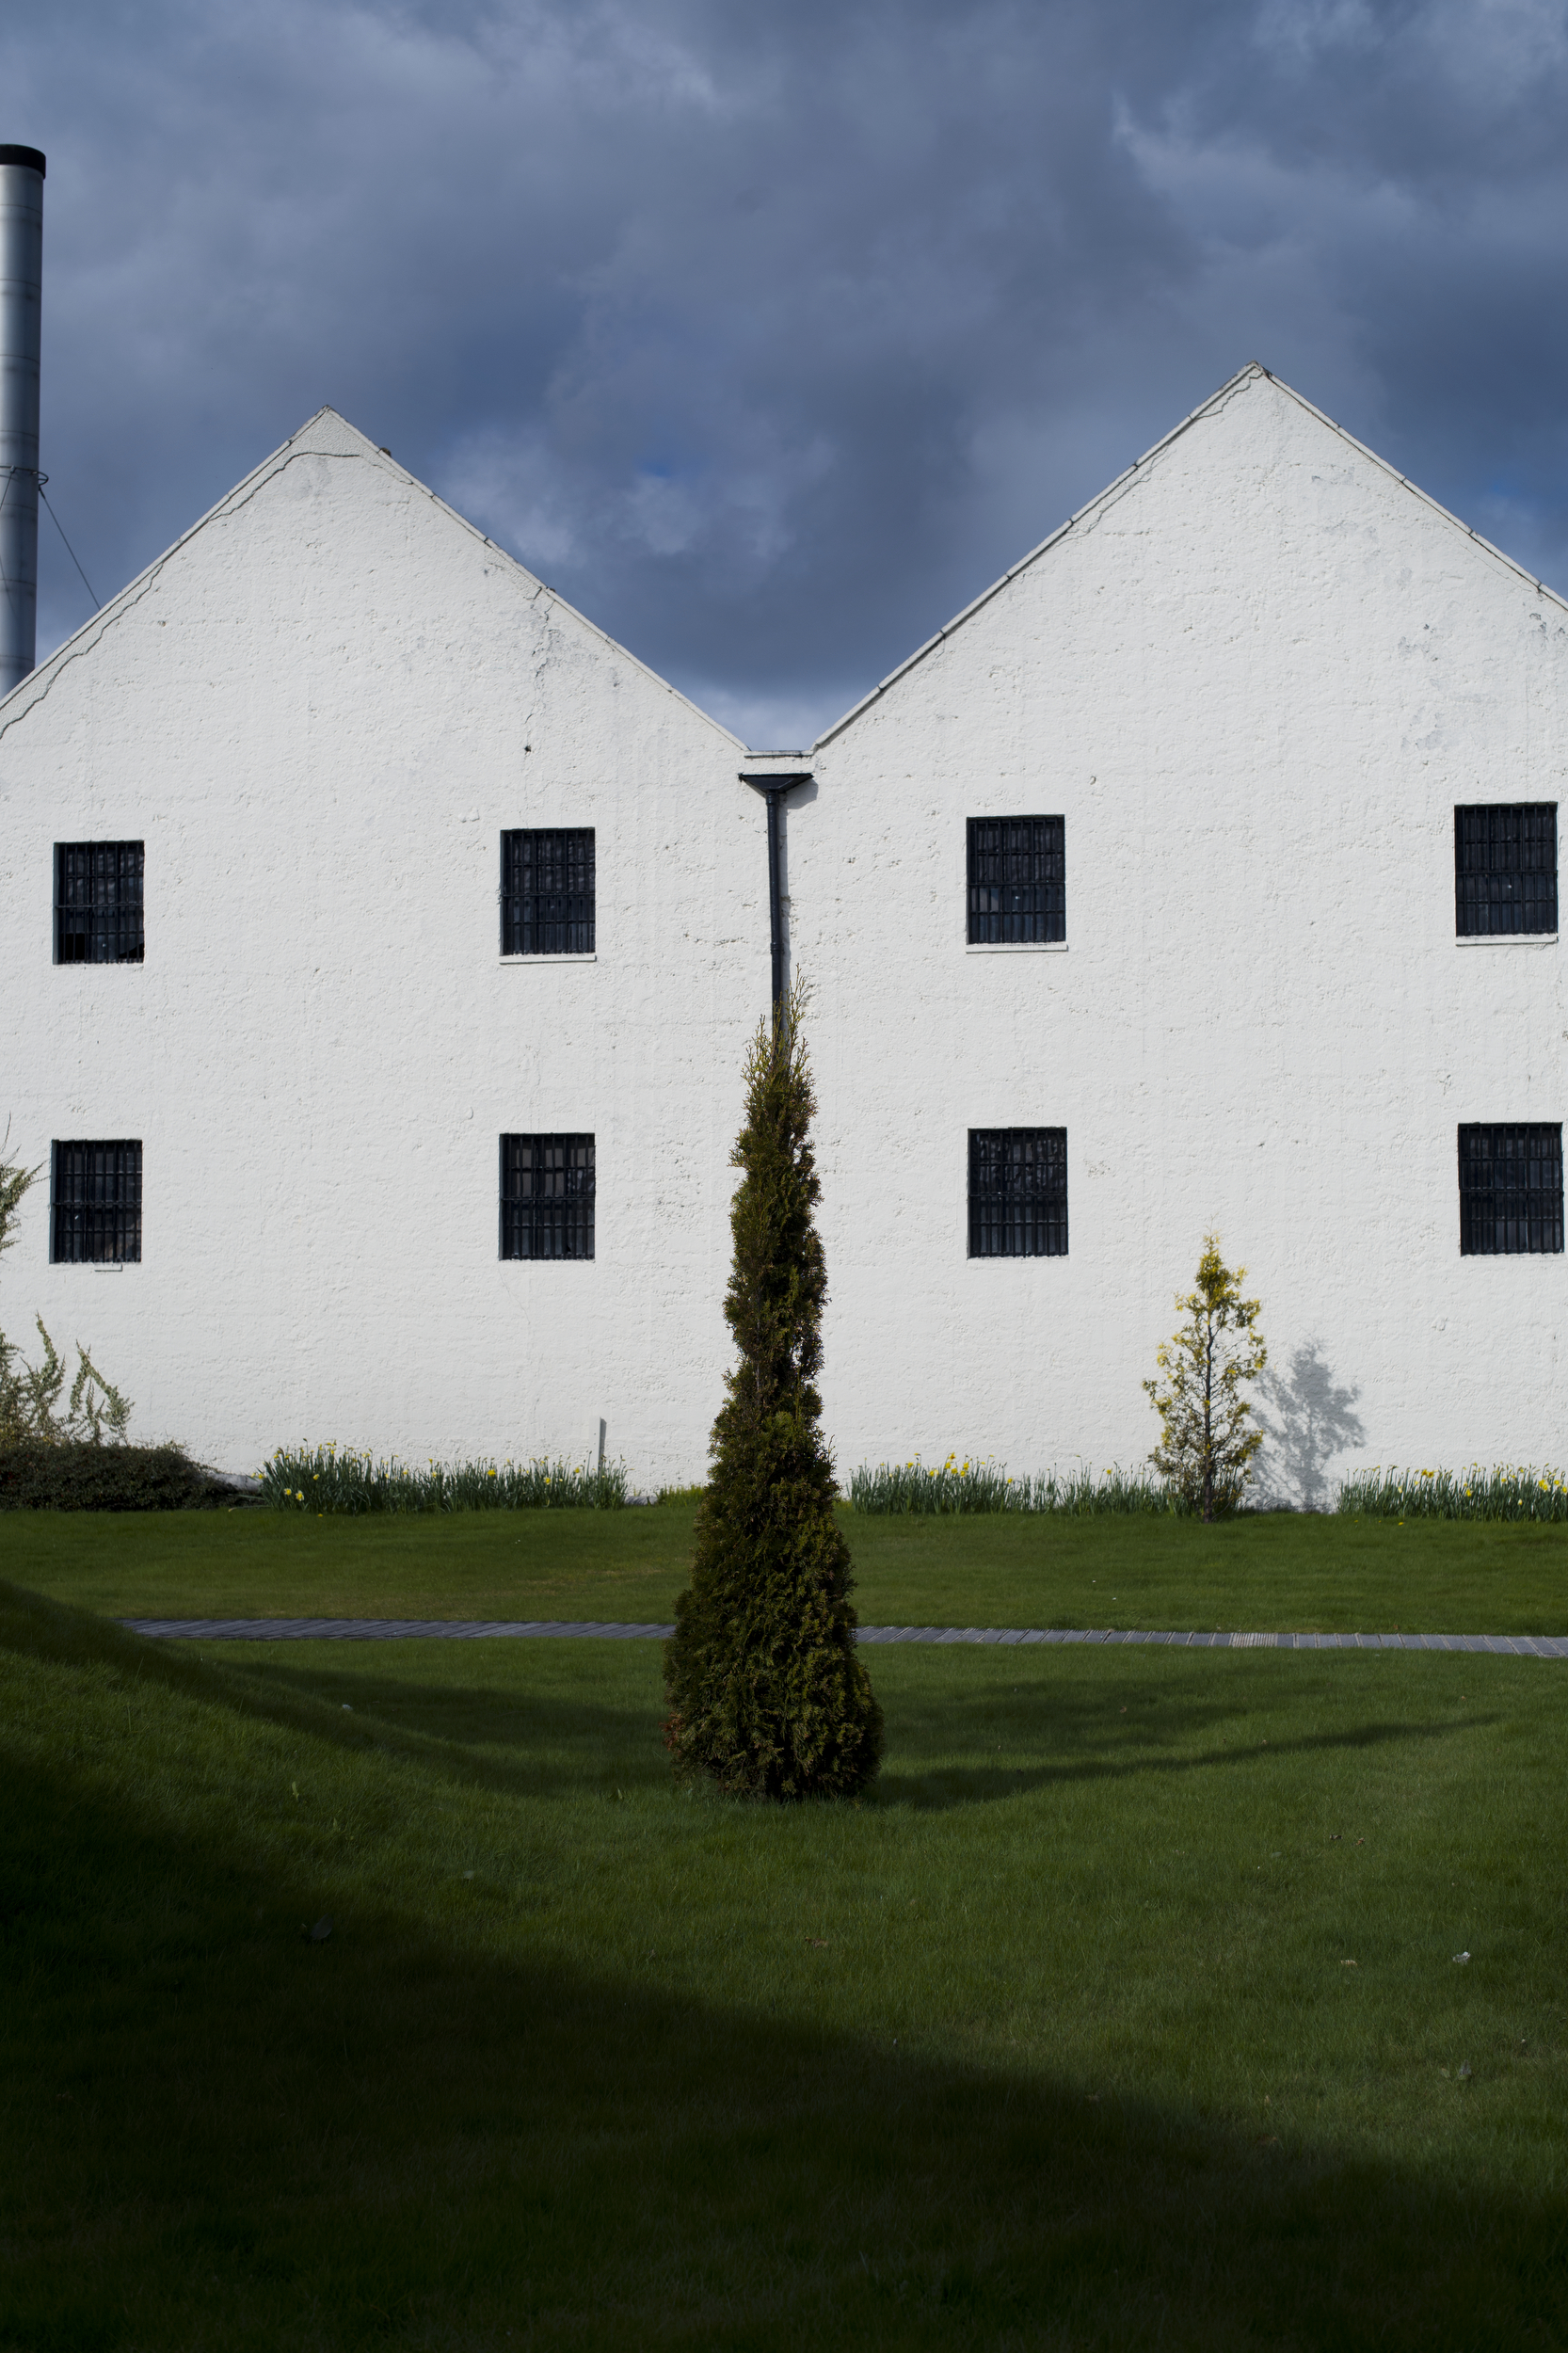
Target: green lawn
x=1053, y=2041
x=1270, y=1570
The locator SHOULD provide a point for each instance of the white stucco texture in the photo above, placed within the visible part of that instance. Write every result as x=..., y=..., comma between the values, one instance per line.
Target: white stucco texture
x=319, y=712
x=1254, y=678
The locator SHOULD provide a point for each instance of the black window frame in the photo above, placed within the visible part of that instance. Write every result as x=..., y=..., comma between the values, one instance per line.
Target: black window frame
x=1016, y=880
x=1504, y=870
x=541, y=1217
x=95, y=1209
x=1018, y=1201
x=1510, y=1189
x=547, y=892
x=99, y=902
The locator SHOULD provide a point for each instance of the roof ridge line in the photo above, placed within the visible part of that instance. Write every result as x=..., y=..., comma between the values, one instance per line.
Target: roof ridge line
x=1253, y=367
x=83, y=639
x=1363, y=449
x=1252, y=370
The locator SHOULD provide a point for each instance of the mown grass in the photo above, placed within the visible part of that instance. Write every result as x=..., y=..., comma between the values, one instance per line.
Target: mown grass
x=1275, y=1570
x=1052, y=2041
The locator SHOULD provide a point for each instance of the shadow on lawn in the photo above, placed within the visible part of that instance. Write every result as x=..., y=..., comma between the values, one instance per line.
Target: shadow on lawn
x=574, y=1742
x=221, y=2134
x=1143, y=1722
x=972, y=1785
x=562, y=1744
x=438, y=1726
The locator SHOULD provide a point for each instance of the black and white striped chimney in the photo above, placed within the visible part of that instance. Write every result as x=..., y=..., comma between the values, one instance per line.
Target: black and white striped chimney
x=21, y=314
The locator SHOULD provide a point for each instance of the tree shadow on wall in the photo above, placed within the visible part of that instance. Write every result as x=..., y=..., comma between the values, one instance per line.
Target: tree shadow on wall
x=1314, y=1418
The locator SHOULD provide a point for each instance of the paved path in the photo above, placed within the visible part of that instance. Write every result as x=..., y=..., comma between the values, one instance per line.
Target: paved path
x=484, y=1629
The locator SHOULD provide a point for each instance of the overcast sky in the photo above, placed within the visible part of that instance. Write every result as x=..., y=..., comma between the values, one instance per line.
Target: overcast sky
x=768, y=334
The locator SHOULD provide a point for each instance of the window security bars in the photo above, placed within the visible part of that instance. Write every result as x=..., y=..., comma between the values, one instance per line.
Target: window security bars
x=97, y=903
x=1017, y=1193
x=1017, y=880
x=1510, y=1189
x=95, y=1203
x=547, y=1196
x=547, y=892
x=1505, y=868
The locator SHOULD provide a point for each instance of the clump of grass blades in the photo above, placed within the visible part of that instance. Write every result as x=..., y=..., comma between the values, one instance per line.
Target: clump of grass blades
x=1501, y=1492
x=976, y=1485
x=326, y=1479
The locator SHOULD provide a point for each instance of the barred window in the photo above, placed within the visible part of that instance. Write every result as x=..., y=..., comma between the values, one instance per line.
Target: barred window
x=1510, y=1189
x=1505, y=868
x=1017, y=880
x=95, y=1203
x=547, y=1196
x=1017, y=1193
x=547, y=892
x=97, y=903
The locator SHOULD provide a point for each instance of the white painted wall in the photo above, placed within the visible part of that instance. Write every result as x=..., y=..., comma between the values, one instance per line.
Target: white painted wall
x=319, y=712
x=1255, y=679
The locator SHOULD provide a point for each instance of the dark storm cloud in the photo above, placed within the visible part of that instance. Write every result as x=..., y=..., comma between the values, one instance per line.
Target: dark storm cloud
x=768, y=335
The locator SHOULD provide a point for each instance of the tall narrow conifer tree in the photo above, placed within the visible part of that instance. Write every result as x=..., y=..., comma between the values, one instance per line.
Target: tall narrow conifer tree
x=767, y=1693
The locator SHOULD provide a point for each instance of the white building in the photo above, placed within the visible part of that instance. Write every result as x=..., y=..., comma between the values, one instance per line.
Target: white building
x=1241, y=698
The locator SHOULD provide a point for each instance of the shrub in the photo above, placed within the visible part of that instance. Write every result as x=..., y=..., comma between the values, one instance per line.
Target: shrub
x=768, y=1695
x=1520, y=1494
x=1205, y=1446
x=30, y=1411
x=322, y=1479
x=974, y=1485
x=76, y=1475
x=30, y=1394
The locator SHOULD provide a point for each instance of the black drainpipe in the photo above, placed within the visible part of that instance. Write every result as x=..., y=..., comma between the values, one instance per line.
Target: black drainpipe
x=775, y=788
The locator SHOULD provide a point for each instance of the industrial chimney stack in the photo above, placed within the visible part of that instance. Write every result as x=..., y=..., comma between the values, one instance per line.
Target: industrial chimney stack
x=21, y=313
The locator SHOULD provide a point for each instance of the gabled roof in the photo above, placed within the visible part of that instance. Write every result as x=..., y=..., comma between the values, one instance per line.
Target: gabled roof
x=325, y=434
x=1252, y=373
